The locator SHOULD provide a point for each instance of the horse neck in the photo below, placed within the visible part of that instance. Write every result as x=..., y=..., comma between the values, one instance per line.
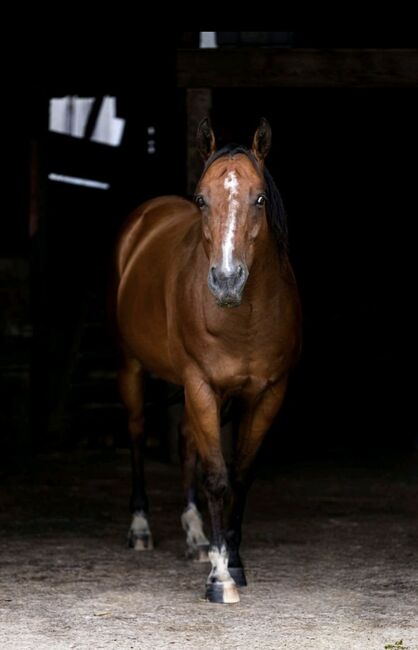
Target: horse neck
x=268, y=271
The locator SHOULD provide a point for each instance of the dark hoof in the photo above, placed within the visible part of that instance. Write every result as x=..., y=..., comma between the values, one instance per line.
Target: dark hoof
x=142, y=543
x=238, y=575
x=198, y=554
x=222, y=592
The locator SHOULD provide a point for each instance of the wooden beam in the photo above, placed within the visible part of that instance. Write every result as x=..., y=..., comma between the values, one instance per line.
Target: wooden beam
x=269, y=67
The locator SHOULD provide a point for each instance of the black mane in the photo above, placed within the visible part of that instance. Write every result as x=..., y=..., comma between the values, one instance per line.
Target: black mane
x=276, y=213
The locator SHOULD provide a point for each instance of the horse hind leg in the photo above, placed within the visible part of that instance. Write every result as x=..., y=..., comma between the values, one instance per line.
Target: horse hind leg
x=197, y=544
x=131, y=391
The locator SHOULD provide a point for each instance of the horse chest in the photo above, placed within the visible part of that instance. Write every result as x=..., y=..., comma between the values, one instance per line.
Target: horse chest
x=236, y=366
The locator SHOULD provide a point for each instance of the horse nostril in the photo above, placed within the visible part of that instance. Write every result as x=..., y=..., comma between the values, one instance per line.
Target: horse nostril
x=213, y=275
x=240, y=271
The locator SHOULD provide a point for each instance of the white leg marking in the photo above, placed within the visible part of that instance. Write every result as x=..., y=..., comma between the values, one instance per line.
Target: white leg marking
x=220, y=575
x=140, y=532
x=231, y=185
x=191, y=521
x=219, y=561
x=140, y=524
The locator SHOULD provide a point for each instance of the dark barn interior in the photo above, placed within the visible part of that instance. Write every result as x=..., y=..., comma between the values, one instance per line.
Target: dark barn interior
x=343, y=107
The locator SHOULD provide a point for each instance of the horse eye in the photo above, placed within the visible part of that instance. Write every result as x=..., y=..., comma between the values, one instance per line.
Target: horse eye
x=200, y=201
x=261, y=200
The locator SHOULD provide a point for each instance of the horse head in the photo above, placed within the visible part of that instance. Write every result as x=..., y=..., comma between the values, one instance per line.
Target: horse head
x=232, y=198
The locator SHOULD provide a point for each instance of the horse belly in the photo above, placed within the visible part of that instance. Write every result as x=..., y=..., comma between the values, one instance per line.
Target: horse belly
x=143, y=332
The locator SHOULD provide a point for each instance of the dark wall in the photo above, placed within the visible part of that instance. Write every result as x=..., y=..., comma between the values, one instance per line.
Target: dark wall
x=343, y=160
x=357, y=37
x=74, y=228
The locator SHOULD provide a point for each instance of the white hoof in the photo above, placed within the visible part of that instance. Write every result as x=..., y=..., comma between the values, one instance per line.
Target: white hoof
x=224, y=593
x=141, y=543
x=198, y=553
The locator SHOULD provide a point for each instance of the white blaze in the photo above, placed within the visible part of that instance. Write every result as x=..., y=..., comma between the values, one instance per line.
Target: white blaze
x=231, y=185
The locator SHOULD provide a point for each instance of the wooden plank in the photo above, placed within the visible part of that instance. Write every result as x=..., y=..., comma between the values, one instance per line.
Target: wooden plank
x=270, y=67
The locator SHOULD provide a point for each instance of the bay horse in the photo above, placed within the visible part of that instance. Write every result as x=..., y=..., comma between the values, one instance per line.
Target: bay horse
x=205, y=298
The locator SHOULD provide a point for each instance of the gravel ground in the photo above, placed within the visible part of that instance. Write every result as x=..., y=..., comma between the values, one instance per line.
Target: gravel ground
x=330, y=549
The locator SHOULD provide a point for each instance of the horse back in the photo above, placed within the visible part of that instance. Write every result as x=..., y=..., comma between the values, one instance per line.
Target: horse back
x=153, y=221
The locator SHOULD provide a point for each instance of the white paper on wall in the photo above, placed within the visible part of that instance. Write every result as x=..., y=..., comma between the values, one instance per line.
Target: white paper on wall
x=109, y=128
x=70, y=115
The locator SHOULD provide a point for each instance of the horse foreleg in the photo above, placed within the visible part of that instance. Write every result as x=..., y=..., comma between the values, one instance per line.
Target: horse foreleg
x=256, y=420
x=191, y=520
x=202, y=408
x=131, y=391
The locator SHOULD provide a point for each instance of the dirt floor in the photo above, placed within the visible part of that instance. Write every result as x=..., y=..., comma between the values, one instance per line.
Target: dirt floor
x=330, y=549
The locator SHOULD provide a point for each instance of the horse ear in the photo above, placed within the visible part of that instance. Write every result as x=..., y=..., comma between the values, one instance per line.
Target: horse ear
x=262, y=140
x=205, y=139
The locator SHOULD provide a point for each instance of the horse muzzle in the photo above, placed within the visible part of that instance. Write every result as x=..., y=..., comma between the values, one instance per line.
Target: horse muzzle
x=227, y=286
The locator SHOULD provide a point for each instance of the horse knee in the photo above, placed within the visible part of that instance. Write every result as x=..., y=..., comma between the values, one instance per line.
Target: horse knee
x=216, y=483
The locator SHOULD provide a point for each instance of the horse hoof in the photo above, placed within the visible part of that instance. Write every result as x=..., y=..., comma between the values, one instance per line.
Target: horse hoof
x=143, y=543
x=238, y=575
x=222, y=592
x=198, y=553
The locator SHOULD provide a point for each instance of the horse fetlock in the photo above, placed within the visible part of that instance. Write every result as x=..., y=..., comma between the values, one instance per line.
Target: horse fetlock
x=220, y=586
x=139, y=535
x=196, y=540
x=219, y=560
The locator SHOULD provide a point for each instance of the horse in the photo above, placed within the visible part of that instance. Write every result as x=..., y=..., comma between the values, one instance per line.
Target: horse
x=206, y=298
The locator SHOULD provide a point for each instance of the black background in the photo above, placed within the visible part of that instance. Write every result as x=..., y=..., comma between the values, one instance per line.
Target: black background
x=345, y=162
